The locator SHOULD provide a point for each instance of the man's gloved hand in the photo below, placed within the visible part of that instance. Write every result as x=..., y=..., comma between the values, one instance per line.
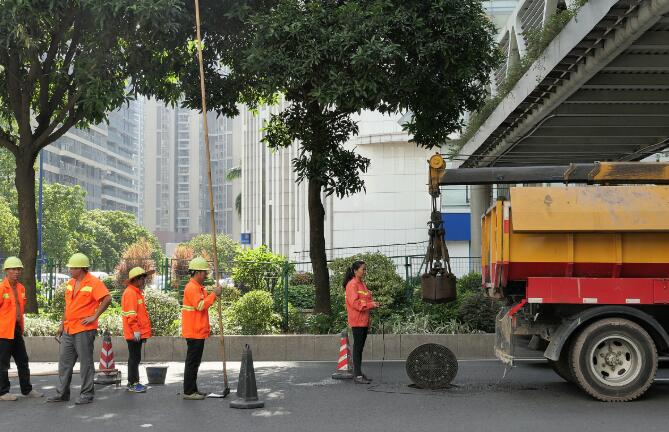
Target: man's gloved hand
x=137, y=336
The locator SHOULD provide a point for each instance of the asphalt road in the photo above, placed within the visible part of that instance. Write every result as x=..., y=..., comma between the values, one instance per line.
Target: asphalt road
x=302, y=397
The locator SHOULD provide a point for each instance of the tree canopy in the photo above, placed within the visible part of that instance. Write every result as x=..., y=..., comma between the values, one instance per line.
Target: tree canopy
x=331, y=59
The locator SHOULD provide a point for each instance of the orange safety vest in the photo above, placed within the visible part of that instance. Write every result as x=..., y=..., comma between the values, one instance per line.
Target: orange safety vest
x=8, y=308
x=359, y=302
x=134, y=313
x=195, y=311
x=83, y=303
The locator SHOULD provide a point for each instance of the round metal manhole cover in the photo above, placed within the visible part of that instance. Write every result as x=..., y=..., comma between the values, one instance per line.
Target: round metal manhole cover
x=432, y=366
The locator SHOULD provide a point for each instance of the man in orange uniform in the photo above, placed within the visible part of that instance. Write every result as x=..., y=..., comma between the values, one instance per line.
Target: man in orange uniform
x=12, y=304
x=195, y=323
x=136, y=324
x=86, y=298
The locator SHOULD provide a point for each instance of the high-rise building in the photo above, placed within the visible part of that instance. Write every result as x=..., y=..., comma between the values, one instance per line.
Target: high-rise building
x=175, y=200
x=101, y=159
x=389, y=216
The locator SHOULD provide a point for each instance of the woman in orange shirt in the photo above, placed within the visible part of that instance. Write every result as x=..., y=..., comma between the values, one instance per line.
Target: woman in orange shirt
x=359, y=303
x=136, y=323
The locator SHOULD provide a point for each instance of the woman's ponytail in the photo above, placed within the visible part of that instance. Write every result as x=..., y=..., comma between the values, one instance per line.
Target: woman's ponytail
x=350, y=272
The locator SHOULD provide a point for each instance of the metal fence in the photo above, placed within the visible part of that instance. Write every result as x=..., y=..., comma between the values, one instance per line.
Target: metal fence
x=172, y=274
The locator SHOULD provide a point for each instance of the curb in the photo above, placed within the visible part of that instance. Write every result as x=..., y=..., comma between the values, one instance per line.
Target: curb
x=280, y=347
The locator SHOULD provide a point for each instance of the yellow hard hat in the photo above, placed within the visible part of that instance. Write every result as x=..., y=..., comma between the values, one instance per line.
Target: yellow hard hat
x=12, y=263
x=198, y=263
x=136, y=272
x=79, y=260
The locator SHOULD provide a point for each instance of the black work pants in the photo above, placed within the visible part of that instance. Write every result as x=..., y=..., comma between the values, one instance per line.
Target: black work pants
x=193, y=360
x=14, y=348
x=134, y=358
x=359, y=338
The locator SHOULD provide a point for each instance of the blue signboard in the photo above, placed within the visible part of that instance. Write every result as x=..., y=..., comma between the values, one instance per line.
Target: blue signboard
x=457, y=226
x=245, y=239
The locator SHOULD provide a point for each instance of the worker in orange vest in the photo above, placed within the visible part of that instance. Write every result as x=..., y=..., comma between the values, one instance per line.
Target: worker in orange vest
x=359, y=303
x=136, y=323
x=195, y=323
x=86, y=298
x=12, y=304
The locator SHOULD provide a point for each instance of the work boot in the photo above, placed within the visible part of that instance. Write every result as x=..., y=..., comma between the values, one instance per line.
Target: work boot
x=83, y=401
x=361, y=380
x=194, y=396
x=8, y=397
x=58, y=398
x=33, y=394
x=366, y=377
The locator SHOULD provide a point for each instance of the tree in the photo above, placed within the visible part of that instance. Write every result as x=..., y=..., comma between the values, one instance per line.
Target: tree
x=330, y=59
x=63, y=207
x=227, y=249
x=106, y=234
x=9, y=230
x=232, y=175
x=68, y=63
x=7, y=168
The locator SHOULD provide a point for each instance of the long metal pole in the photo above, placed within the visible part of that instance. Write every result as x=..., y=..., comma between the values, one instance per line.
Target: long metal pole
x=212, y=213
x=40, y=213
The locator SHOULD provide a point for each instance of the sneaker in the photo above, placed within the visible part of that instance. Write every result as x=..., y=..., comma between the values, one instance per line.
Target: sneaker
x=8, y=397
x=34, y=394
x=137, y=388
x=361, y=380
x=194, y=396
x=58, y=398
x=83, y=401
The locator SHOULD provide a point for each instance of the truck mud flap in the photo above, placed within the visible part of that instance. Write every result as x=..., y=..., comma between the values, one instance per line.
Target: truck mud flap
x=504, y=338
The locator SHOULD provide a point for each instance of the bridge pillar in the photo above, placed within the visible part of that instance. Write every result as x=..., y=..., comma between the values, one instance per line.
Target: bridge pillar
x=479, y=201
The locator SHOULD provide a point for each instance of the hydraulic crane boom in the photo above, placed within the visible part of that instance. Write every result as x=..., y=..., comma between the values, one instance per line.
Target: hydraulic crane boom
x=588, y=173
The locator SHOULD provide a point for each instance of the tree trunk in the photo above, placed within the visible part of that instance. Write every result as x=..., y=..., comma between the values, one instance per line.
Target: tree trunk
x=317, y=249
x=25, y=186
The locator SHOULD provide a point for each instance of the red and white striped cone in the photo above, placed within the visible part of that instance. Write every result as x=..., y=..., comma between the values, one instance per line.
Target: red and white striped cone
x=344, y=359
x=107, y=372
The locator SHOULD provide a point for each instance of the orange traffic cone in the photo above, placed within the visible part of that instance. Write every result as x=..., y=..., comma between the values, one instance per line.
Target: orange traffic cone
x=343, y=360
x=107, y=372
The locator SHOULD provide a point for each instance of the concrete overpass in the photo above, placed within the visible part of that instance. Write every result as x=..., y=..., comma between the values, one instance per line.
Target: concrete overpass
x=599, y=91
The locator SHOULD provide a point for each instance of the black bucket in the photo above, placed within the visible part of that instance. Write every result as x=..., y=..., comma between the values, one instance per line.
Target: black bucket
x=156, y=374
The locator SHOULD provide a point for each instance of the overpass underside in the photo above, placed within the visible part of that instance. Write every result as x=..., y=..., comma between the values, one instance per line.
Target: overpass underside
x=600, y=92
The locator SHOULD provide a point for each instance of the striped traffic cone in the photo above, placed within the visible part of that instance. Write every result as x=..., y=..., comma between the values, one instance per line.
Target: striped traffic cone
x=107, y=372
x=343, y=360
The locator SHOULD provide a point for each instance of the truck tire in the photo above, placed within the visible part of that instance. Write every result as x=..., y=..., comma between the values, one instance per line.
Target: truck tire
x=561, y=366
x=613, y=360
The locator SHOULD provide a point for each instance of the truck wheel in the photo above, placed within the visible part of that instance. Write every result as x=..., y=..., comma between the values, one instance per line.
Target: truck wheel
x=561, y=366
x=614, y=360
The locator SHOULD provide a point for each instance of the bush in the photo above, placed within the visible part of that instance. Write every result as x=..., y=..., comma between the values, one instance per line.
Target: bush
x=319, y=323
x=382, y=280
x=302, y=278
x=182, y=256
x=253, y=314
x=164, y=312
x=36, y=325
x=478, y=311
x=471, y=282
x=413, y=323
x=56, y=310
x=297, y=322
x=227, y=249
x=137, y=254
x=259, y=269
x=300, y=296
x=111, y=322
